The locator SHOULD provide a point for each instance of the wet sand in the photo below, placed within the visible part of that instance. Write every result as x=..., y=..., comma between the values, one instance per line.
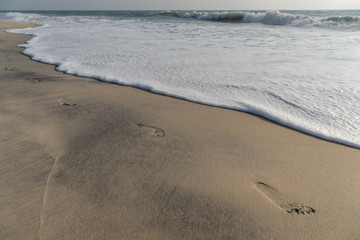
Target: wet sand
x=83, y=159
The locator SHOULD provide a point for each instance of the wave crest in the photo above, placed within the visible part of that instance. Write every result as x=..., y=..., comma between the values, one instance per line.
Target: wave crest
x=272, y=18
x=213, y=16
x=279, y=18
x=299, y=19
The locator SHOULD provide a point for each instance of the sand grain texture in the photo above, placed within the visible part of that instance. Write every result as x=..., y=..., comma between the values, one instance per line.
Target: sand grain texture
x=82, y=159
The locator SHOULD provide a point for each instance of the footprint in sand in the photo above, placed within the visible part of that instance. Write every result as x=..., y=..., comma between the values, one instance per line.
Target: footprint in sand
x=158, y=132
x=281, y=201
x=11, y=69
x=33, y=80
x=66, y=103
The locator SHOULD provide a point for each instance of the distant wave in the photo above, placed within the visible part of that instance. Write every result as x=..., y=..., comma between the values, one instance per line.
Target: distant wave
x=214, y=16
x=271, y=18
x=265, y=17
x=279, y=18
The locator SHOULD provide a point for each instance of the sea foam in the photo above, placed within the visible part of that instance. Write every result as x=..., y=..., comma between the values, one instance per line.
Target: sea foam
x=299, y=75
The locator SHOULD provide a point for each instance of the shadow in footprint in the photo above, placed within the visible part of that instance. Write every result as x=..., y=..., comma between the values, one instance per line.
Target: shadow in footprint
x=282, y=201
x=158, y=132
x=34, y=80
x=66, y=103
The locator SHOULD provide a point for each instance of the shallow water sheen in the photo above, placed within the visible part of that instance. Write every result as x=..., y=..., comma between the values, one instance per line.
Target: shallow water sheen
x=300, y=69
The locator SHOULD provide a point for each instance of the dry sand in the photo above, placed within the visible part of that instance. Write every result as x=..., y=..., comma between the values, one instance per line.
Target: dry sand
x=82, y=159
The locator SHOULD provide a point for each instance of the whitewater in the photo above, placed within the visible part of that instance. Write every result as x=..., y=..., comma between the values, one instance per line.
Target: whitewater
x=298, y=68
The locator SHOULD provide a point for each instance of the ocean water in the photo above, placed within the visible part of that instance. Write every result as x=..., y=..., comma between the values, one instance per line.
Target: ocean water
x=298, y=68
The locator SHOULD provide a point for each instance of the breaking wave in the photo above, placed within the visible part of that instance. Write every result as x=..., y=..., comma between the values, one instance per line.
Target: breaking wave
x=295, y=19
x=279, y=18
x=272, y=18
x=215, y=16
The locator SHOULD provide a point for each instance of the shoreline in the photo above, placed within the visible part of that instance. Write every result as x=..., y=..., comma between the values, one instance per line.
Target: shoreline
x=262, y=114
x=86, y=159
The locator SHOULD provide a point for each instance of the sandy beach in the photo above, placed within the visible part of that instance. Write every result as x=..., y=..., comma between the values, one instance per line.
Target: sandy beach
x=83, y=159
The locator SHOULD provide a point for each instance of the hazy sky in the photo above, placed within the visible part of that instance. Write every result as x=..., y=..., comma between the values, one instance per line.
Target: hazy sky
x=176, y=4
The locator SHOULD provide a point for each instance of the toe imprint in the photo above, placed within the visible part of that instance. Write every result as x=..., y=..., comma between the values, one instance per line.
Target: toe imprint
x=282, y=201
x=158, y=132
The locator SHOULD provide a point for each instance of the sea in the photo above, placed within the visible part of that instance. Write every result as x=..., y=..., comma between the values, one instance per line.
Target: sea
x=300, y=69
